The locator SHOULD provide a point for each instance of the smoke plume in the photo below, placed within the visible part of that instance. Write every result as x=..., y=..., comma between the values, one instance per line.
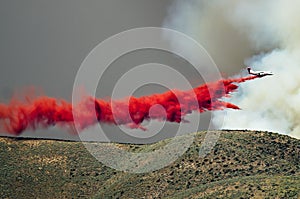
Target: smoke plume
x=43, y=111
x=266, y=35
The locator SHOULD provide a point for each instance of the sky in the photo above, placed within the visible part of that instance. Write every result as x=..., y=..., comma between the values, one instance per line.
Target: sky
x=43, y=44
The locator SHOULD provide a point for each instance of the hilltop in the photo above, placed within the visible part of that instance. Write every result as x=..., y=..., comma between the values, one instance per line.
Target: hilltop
x=242, y=164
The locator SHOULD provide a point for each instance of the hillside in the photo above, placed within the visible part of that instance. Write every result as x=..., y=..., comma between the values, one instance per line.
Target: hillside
x=243, y=164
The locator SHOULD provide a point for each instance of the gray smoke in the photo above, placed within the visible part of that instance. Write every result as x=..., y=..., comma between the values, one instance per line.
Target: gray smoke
x=261, y=33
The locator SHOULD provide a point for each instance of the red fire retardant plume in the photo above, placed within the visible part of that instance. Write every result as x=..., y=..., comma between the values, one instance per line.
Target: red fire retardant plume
x=18, y=116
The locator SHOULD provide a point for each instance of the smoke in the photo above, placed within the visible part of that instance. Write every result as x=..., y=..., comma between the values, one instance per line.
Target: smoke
x=266, y=35
x=43, y=111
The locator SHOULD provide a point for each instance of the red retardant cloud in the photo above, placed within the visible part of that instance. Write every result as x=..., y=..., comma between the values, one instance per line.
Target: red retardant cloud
x=18, y=116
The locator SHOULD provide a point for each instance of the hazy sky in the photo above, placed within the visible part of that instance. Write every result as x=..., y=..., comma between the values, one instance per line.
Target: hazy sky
x=43, y=44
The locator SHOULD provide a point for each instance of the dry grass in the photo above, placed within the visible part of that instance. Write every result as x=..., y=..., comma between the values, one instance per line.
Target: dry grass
x=242, y=164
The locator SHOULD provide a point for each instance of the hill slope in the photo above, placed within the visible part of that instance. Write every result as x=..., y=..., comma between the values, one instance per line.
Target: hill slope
x=242, y=164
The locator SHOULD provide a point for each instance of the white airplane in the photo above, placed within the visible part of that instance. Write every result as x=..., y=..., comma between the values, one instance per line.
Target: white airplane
x=259, y=73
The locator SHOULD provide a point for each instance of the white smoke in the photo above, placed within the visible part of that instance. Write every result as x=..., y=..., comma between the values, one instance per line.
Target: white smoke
x=264, y=34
